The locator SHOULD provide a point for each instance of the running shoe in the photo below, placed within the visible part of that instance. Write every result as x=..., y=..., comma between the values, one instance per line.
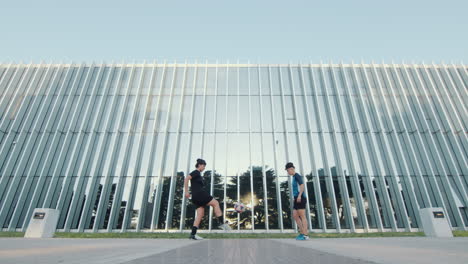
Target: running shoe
x=196, y=237
x=300, y=237
x=225, y=226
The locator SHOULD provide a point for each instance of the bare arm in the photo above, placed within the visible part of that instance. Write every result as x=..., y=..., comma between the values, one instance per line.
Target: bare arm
x=187, y=179
x=301, y=190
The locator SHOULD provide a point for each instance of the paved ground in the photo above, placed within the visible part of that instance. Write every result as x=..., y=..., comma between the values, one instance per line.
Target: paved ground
x=65, y=250
x=337, y=251
x=245, y=251
x=413, y=250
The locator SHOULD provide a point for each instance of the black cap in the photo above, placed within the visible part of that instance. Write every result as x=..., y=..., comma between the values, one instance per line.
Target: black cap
x=289, y=165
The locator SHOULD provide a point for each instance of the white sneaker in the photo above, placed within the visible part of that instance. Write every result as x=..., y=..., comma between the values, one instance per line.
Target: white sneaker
x=225, y=227
x=306, y=238
x=196, y=237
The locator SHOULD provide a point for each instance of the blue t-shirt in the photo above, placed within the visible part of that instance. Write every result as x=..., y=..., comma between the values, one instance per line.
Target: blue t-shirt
x=297, y=180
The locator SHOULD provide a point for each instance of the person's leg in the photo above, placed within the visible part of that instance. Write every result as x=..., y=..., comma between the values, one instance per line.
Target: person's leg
x=198, y=218
x=298, y=220
x=302, y=216
x=219, y=215
x=217, y=210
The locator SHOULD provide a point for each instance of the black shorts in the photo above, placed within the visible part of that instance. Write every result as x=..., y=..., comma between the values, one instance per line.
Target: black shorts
x=301, y=205
x=201, y=199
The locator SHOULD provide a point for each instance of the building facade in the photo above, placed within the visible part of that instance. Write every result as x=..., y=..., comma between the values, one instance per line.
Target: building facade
x=109, y=145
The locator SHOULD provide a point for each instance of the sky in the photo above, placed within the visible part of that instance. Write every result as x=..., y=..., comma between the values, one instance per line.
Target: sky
x=234, y=31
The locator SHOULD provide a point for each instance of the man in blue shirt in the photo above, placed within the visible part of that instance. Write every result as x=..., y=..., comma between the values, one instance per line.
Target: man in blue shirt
x=300, y=202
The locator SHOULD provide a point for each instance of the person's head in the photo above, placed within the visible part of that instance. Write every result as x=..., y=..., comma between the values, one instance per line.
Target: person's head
x=290, y=168
x=201, y=164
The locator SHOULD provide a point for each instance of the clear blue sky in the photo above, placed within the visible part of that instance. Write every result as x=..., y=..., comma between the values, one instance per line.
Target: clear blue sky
x=259, y=31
